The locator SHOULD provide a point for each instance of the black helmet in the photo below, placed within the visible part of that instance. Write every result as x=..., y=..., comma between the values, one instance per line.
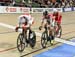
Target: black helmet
x=45, y=13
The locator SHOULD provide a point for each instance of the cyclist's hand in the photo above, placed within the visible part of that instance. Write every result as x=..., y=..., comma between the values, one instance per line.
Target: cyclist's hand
x=16, y=29
x=24, y=27
x=40, y=27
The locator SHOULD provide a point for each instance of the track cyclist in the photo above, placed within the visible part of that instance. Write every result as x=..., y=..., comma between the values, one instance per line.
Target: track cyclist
x=25, y=22
x=58, y=18
x=47, y=21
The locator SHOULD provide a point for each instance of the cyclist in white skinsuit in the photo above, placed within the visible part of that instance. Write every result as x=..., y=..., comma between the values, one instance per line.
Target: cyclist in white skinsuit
x=25, y=22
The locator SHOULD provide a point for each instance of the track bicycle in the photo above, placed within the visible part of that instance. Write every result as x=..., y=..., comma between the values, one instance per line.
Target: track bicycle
x=23, y=39
x=46, y=37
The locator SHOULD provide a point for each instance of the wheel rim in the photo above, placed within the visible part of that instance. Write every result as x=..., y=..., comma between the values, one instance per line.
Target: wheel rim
x=44, y=40
x=20, y=43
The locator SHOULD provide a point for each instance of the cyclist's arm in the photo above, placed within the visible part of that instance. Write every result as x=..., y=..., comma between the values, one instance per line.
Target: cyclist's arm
x=42, y=21
x=18, y=25
x=30, y=22
x=19, y=21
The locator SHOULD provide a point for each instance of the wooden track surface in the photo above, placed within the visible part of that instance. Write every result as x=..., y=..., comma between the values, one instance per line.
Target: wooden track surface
x=8, y=38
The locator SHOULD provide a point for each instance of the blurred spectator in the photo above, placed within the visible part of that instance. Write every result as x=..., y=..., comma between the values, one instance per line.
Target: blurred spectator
x=20, y=3
x=63, y=3
x=13, y=2
x=38, y=3
x=73, y=3
x=5, y=2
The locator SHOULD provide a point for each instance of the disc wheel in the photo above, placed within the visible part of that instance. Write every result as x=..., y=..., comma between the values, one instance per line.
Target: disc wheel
x=32, y=39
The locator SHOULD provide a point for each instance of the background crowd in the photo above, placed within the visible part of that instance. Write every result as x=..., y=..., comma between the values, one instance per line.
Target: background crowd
x=38, y=3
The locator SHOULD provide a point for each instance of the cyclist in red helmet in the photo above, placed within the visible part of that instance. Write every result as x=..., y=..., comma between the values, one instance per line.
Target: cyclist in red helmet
x=58, y=18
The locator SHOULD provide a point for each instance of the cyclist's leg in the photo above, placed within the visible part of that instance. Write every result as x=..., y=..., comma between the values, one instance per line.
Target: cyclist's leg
x=59, y=28
x=45, y=27
x=59, y=25
x=25, y=30
x=25, y=35
x=30, y=24
x=56, y=27
x=52, y=31
x=49, y=28
x=30, y=30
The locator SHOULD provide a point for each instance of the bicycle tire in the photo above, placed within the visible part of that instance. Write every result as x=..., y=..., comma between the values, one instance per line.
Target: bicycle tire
x=32, y=40
x=21, y=46
x=44, y=39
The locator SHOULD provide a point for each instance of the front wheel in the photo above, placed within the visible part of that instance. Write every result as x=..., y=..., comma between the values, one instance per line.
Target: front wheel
x=32, y=39
x=20, y=43
x=44, y=39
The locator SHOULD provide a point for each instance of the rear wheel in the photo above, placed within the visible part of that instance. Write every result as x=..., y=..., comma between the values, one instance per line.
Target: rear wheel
x=20, y=43
x=32, y=39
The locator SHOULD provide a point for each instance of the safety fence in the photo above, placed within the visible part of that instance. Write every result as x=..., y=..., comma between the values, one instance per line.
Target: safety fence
x=7, y=9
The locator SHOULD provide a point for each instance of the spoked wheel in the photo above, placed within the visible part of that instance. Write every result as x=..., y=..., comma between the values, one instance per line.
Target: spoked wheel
x=32, y=39
x=20, y=43
x=44, y=39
